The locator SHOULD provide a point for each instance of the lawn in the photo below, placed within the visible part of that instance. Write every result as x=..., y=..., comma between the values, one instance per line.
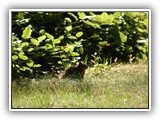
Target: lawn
x=116, y=86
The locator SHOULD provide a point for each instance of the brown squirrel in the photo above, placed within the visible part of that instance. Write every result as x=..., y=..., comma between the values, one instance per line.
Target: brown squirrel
x=75, y=71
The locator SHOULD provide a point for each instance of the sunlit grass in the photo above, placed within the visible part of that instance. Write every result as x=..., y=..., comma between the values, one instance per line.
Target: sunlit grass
x=122, y=86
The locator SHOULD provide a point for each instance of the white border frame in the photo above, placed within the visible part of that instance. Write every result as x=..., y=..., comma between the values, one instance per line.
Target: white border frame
x=76, y=10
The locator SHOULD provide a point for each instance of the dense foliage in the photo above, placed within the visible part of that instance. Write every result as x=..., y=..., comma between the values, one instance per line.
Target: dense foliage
x=48, y=41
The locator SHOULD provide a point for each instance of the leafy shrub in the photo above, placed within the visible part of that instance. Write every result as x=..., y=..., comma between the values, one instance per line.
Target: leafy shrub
x=44, y=42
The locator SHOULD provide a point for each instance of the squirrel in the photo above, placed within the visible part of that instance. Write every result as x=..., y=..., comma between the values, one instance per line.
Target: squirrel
x=75, y=71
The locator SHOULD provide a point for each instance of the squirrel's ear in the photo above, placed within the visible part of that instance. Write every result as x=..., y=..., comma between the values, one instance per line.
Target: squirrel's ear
x=79, y=63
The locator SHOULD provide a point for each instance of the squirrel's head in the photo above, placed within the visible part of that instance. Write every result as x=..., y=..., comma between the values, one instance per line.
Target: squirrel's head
x=83, y=65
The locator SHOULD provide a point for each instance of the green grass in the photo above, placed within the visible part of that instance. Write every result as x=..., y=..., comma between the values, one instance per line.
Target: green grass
x=122, y=86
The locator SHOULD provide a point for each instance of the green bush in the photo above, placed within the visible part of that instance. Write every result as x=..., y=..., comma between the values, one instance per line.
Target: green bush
x=44, y=42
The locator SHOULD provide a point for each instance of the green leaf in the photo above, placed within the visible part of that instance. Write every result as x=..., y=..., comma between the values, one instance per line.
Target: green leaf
x=49, y=36
x=22, y=56
x=79, y=34
x=69, y=48
x=37, y=65
x=109, y=20
x=104, y=19
x=81, y=40
x=82, y=15
x=74, y=16
x=116, y=14
x=104, y=16
x=74, y=54
x=14, y=38
x=123, y=37
x=72, y=37
x=142, y=48
x=42, y=47
x=142, y=30
x=20, y=16
x=133, y=14
x=24, y=45
x=57, y=48
x=81, y=50
x=30, y=49
x=34, y=42
x=93, y=24
x=48, y=46
x=23, y=68
x=60, y=62
x=42, y=31
x=58, y=40
x=62, y=56
x=102, y=43
x=69, y=28
x=61, y=37
x=26, y=33
x=41, y=38
x=29, y=62
x=146, y=23
x=14, y=57
x=68, y=20
x=101, y=18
